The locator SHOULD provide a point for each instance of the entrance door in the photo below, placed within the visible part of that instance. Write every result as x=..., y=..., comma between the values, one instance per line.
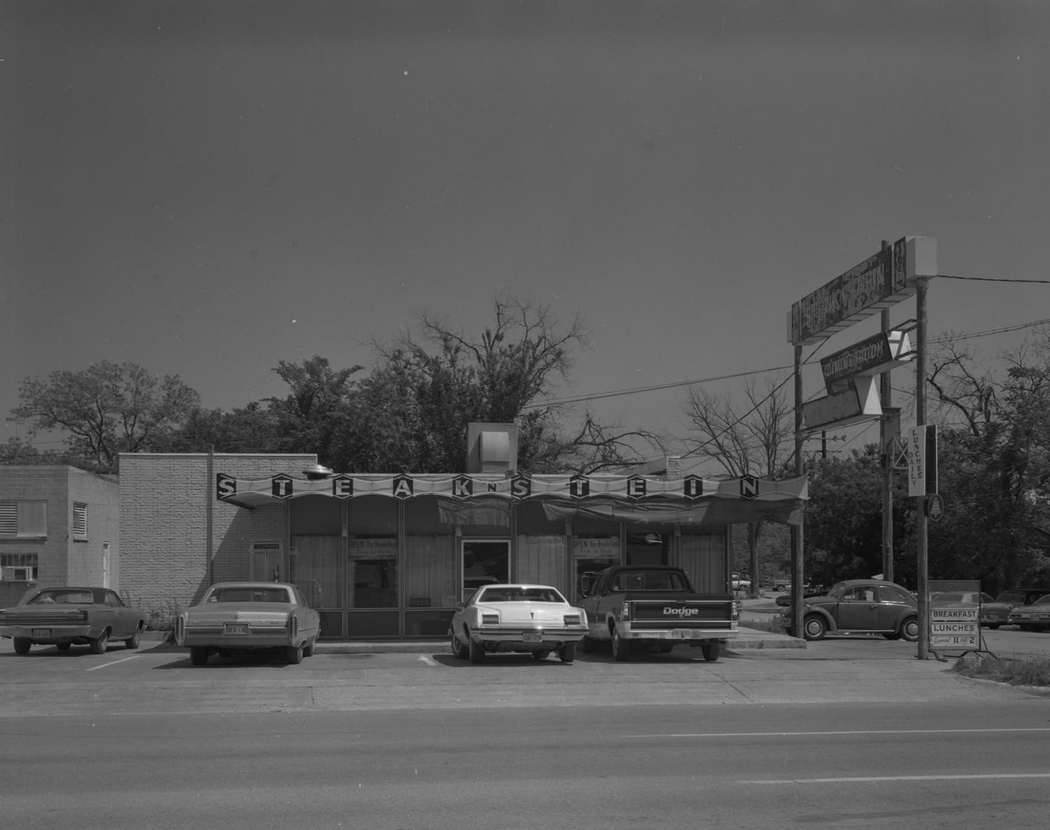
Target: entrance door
x=266, y=562
x=485, y=562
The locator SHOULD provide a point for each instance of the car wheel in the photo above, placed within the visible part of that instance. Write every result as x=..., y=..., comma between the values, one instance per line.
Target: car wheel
x=542, y=654
x=100, y=643
x=814, y=627
x=199, y=655
x=22, y=645
x=308, y=648
x=567, y=653
x=621, y=650
x=587, y=645
x=459, y=651
x=63, y=646
x=909, y=629
x=293, y=655
x=711, y=651
x=476, y=651
x=133, y=640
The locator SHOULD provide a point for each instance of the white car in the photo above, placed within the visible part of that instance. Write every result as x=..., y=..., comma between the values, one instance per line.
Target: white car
x=520, y=618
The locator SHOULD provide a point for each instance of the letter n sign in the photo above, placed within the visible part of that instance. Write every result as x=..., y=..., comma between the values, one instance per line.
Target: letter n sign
x=748, y=487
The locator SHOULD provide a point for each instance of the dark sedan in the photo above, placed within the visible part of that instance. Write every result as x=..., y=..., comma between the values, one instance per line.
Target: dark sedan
x=71, y=616
x=860, y=606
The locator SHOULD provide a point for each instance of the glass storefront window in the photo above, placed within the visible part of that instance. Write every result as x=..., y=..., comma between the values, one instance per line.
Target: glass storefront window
x=317, y=571
x=430, y=571
x=485, y=562
x=373, y=573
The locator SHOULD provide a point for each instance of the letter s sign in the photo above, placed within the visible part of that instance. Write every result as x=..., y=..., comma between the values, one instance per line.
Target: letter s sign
x=225, y=486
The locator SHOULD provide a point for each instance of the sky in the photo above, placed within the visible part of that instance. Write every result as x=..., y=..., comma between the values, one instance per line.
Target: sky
x=209, y=188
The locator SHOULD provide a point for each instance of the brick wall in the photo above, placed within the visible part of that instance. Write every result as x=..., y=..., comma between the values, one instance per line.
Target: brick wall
x=165, y=502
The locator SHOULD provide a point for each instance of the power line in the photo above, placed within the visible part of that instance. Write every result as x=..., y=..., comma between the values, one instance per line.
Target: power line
x=991, y=279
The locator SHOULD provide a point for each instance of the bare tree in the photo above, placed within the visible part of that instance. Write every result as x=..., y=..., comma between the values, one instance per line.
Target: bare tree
x=752, y=440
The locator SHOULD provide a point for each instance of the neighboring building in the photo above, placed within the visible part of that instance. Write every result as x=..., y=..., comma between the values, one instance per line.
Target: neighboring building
x=390, y=555
x=59, y=525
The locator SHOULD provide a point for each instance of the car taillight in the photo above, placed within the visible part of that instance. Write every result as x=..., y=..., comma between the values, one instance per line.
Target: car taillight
x=736, y=610
x=293, y=625
x=625, y=611
x=490, y=619
x=571, y=619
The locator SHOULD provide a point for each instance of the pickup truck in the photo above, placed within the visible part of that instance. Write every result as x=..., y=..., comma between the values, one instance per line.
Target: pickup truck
x=656, y=607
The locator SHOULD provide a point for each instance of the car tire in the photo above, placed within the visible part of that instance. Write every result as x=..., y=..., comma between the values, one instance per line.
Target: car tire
x=308, y=648
x=814, y=627
x=133, y=640
x=711, y=651
x=199, y=655
x=476, y=652
x=63, y=646
x=567, y=653
x=22, y=645
x=621, y=649
x=293, y=655
x=909, y=629
x=459, y=651
x=587, y=645
x=542, y=654
x=100, y=643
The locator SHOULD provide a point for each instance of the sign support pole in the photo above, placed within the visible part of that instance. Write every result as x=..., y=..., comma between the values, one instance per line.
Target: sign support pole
x=921, y=520
x=885, y=392
x=798, y=531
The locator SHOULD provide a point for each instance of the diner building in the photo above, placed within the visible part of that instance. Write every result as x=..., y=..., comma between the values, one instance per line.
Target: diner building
x=389, y=555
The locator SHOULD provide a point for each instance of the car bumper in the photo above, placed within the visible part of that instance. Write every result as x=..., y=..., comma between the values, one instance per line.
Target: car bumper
x=629, y=631
x=52, y=634
x=527, y=639
x=235, y=642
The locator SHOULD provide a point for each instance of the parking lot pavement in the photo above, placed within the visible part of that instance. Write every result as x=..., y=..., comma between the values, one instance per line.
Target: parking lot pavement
x=160, y=678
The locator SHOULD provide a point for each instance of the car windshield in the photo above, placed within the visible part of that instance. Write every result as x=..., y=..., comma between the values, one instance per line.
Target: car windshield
x=513, y=593
x=1043, y=600
x=248, y=594
x=838, y=590
x=63, y=597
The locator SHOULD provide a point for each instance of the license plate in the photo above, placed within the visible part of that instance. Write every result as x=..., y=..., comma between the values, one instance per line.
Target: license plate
x=682, y=633
x=41, y=632
x=235, y=628
x=531, y=637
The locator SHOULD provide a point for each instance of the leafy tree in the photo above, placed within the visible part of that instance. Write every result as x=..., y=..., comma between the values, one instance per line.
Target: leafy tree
x=311, y=418
x=106, y=409
x=249, y=429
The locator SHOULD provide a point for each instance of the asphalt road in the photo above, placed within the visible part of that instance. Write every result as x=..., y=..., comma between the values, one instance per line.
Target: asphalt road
x=841, y=765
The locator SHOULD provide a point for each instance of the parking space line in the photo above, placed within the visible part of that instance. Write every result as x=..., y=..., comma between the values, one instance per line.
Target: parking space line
x=113, y=662
x=426, y=660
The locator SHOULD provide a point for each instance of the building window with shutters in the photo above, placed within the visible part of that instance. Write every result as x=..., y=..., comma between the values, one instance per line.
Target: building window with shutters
x=80, y=521
x=23, y=519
